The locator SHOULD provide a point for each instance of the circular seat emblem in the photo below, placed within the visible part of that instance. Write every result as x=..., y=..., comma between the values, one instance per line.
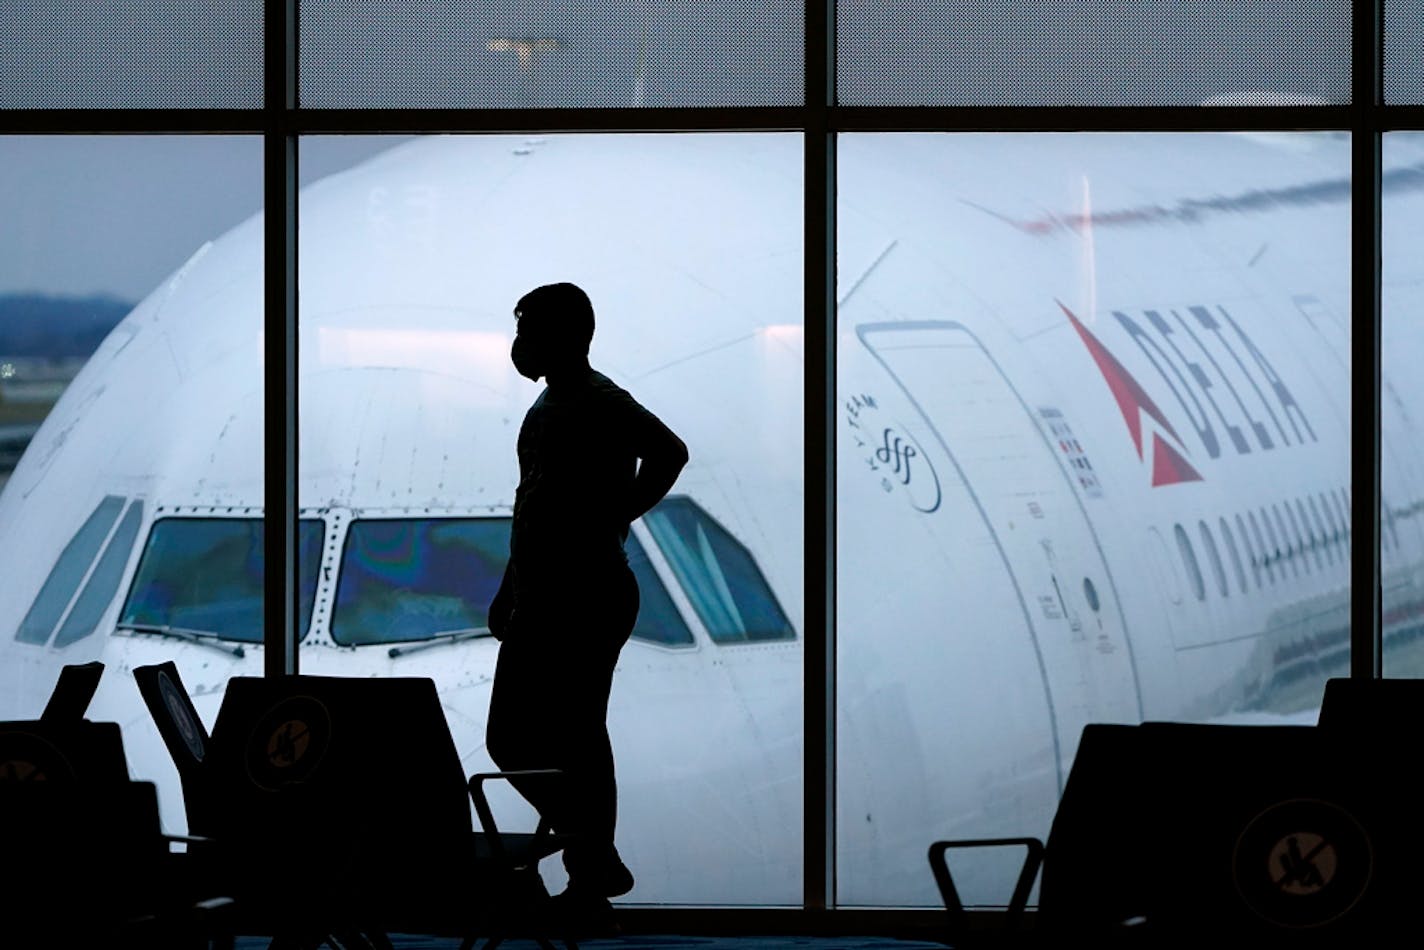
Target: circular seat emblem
x=288, y=742
x=178, y=712
x=25, y=757
x=21, y=770
x=1302, y=863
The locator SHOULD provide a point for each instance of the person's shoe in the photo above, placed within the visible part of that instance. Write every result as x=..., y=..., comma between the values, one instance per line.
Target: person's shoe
x=580, y=913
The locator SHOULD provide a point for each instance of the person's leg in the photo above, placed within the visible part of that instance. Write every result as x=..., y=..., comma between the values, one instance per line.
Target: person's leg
x=524, y=729
x=593, y=863
x=592, y=783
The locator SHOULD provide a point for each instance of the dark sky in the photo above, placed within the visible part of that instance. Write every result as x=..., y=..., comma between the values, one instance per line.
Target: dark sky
x=116, y=214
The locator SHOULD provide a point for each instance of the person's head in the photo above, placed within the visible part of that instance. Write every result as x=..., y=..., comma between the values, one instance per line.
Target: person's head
x=553, y=326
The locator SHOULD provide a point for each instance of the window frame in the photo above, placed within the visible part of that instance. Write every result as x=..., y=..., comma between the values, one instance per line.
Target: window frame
x=819, y=119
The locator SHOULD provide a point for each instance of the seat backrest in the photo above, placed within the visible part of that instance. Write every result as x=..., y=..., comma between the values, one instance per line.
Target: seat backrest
x=83, y=858
x=1366, y=706
x=359, y=774
x=72, y=694
x=187, y=741
x=1086, y=885
x=1260, y=832
x=173, y=713
x=65, y=751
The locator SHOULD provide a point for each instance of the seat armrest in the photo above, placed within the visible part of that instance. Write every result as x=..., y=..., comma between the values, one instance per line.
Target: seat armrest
x=958, y=917
x=482, y=807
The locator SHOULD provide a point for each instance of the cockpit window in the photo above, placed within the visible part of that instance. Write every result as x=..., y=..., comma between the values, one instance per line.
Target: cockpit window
x=416, y=579
x=658, y=619
x=84, y=618
x=726, y=587
x=204, y=576
x=68, y=571
x=413, y=579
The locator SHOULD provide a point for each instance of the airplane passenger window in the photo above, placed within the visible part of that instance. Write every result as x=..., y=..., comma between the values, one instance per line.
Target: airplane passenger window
x=204, y=576
x=417, y=578
x=1269, y=553
x=658, y=619
x=1251, y=550
x=1235, y=555
x=1335, y=535
x=1274, y=544
x=84, y=618
x=1189, y=560
x=1301, y=537
x=68, y=571
x=1342, y=509
x=1311, y=532
x=1214, y=556
x=1287, y=541
x=719, y=575
x=1320, y=537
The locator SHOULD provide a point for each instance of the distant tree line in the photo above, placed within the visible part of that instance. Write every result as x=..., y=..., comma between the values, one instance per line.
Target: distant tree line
x=35, y=325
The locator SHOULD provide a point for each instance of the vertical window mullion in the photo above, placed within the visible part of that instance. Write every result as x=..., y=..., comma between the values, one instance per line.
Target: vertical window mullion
x=819, y=784
x=1366, y=628
x=280, y=586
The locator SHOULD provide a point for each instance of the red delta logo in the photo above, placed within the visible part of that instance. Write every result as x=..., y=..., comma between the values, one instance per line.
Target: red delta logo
x=1227, y=389
x=1169, y=466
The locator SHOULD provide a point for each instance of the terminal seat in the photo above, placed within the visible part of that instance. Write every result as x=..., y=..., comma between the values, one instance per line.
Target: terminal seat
x=1174, y=834
x=86, y=859
x=72, y=694
x=349, y=792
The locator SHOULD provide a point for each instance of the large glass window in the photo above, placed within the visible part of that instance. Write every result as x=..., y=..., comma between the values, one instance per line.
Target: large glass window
x=411, y=262
x=1093, y=52
x=1402, y=407
x=505, y=54
x=1403, y=52
x=131, y=54
x=1075, y=374
x=131, y=363
x=1056, y=352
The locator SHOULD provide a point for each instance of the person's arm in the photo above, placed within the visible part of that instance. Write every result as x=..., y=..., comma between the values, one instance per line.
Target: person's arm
x=662, y=453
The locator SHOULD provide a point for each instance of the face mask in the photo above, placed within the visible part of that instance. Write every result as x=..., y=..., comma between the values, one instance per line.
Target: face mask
x=525, y=359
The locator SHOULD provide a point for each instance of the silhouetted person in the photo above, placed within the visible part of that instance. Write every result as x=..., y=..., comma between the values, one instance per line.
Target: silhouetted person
x=568, y=599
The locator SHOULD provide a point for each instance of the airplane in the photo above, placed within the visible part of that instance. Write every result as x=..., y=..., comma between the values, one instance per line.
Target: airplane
x=1093, y=427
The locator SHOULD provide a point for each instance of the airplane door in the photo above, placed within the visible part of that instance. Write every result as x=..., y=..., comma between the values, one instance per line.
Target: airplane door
x=974, y=416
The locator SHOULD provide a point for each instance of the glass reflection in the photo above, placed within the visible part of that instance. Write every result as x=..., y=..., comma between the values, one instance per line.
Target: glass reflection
x=1401, y=402
x=1066, y=364
x=130, y=398
x=411, y=263
x=204, y=577
x=413, y=580
x=1096, y=52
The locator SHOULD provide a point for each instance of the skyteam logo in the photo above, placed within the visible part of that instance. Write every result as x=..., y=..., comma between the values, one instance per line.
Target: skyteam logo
x=1227, y=389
